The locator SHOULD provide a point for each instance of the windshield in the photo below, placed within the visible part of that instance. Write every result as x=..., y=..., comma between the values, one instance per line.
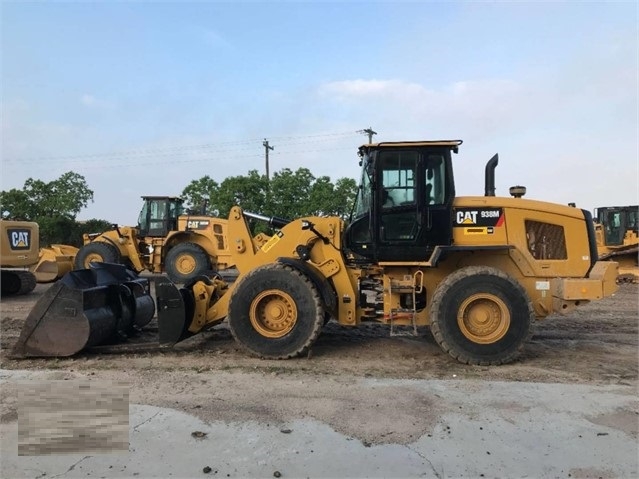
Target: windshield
x=633, y=219
x=364, y=194
x=142, y=223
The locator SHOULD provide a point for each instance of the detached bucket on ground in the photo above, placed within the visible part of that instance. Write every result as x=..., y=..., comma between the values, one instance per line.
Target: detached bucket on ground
x=89, y=307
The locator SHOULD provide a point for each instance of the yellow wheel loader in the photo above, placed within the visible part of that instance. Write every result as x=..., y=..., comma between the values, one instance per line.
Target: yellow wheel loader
x=617, y=230
x=165, y=240
x=19, y=245
x=477, y=270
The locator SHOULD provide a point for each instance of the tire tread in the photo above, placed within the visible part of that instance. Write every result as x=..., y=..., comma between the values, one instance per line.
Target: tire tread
x=109, y=253
x=452, y=349
x=318, y=321
x=198, y=253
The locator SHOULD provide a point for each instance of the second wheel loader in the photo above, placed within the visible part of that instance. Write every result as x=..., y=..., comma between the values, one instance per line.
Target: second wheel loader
x=478, y=270
x=165, y=240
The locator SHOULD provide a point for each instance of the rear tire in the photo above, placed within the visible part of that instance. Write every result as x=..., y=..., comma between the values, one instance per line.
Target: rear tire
x=481, y=316
x=275, y=312
x=185, y=261
x=97, y=252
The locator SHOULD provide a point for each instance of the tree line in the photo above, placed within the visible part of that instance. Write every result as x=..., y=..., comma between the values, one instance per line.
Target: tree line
x=289, y=194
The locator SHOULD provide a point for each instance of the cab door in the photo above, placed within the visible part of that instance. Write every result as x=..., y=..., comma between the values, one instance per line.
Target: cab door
x=154, y=218
x=413, y=204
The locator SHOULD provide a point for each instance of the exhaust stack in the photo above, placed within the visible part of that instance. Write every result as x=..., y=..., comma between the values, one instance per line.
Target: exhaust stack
x=490, y=176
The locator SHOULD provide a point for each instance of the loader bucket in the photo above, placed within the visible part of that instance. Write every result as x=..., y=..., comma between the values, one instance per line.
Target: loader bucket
x=89, y=307
x=174, y=307
x=54, y=262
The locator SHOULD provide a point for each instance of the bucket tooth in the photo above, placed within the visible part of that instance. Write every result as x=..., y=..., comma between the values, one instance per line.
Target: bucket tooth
x=86, y=308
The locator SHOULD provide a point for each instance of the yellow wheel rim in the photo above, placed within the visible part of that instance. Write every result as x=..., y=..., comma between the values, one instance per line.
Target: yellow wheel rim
x=273, y=313
x=93, y=258
x=483, y=318
x=185, y=264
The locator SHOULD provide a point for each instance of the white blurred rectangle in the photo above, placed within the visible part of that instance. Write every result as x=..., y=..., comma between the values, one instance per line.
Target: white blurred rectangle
x=71, y=417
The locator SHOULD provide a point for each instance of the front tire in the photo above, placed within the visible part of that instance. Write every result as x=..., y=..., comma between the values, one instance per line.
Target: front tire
x=481, y=316
x=185, y=261
x=97, y=252
x=275, y=312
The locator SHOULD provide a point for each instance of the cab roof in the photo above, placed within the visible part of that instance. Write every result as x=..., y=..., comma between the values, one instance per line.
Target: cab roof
x=172, y=198
x=452, y=144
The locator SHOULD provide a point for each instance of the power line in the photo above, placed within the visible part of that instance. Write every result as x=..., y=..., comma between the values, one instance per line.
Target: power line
x=137, y=154
x=244, y=144
x=173, y=160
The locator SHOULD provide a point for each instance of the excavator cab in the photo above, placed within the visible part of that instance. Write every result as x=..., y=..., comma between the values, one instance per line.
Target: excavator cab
x=404, y=204
x=159, y=215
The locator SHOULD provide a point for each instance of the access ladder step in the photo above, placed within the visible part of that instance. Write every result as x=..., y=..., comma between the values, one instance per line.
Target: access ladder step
x=393, y=327
x=402, y=287
x=404, y=334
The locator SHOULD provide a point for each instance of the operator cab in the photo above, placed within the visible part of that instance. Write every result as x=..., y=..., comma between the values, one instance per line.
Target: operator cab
x=159, y=215
x=616, y=220
x=404, y=203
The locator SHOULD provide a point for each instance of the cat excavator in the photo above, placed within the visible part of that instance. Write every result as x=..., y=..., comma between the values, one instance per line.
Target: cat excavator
x=477, y=270
x=19, y=245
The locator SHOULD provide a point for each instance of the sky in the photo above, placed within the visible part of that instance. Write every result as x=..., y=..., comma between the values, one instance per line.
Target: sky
x=141, y=98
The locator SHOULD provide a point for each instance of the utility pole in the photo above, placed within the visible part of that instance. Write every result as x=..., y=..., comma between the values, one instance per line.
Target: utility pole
x=266, y=148
x=369, y=131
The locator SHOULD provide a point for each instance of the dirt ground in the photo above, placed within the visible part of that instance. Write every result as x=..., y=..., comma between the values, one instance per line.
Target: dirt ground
x=596, y=344
x=211, y=377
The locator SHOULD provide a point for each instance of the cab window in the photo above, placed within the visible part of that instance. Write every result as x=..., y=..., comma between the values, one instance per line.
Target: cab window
x=435, y=184
x=158, y=214
x=398, y=177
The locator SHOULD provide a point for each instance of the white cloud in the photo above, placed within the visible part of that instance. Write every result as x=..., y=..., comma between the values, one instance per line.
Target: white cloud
x=90, y=101
x=214, y=39
x=87, y=100
x=351, y=89
x=567, y=131
x=462, y=105
x=554, y=134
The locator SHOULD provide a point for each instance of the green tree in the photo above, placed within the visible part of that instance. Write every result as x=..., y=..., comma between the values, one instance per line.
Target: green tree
x=249, y=192
x=289, y=194
x=63, y=197
x=344, y=197
x=15, y=205
x=64, y=230
x=59, y=230
x=54, y=206
x=328, y=199
x=94, y=226
x=200, y=192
